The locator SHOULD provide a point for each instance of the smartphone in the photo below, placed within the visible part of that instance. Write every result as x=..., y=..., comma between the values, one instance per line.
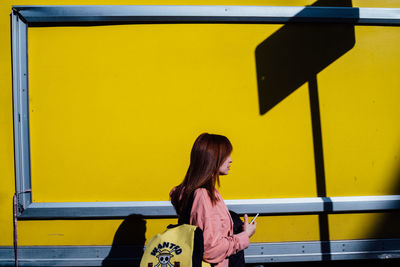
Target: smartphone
x=254, y=218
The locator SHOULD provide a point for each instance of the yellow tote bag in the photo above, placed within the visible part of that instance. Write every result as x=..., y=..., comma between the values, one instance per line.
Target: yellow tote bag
x=172, y=248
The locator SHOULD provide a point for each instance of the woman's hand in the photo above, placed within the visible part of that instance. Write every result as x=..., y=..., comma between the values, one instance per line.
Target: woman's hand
x=250, y=229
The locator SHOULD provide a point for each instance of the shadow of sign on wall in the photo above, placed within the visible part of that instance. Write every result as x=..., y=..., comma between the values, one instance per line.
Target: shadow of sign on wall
x=293, y=56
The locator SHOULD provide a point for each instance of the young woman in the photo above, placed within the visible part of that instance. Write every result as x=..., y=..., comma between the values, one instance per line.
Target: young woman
x=210, y=158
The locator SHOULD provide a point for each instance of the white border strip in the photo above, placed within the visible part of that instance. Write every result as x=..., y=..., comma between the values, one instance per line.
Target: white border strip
x=233, y=14
x=279, y=206
x=20, y=109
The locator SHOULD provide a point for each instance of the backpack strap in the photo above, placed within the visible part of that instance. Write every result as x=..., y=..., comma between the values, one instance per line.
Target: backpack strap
x=184, y=218
x=198, y=248
x=198, y=244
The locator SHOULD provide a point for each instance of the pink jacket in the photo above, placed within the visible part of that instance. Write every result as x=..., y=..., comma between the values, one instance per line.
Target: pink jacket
x=217, y=226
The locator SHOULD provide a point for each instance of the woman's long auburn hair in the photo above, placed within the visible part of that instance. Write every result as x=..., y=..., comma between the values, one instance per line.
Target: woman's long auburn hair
x=208, y=153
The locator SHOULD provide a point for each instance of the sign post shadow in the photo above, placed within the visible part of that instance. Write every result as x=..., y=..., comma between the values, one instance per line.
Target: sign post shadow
x=291, y=57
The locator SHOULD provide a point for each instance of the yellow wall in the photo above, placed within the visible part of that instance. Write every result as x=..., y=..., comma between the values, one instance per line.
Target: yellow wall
x=115, y=108
x=124, y=105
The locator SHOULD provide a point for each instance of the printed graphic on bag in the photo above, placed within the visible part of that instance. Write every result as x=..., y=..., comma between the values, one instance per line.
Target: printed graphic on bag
x=171, y=248
x=163, y=252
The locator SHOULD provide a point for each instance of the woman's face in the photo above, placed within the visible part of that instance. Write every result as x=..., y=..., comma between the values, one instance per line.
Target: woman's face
x=224, y=169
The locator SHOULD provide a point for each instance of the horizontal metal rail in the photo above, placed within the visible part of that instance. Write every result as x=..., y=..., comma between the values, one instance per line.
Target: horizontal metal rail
x=278, y=206
x=207, y=14
x=256, y=253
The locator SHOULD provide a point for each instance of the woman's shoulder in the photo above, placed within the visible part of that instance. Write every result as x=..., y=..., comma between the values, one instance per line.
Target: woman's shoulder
x=201, y=201
x=202, y=194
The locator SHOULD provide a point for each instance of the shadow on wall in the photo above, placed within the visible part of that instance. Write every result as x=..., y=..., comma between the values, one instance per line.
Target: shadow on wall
x=128, y=243
x=293, y=56
x=297, y=52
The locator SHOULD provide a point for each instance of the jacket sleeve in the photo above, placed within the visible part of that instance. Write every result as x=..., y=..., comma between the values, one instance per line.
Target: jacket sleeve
x=217, y=246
